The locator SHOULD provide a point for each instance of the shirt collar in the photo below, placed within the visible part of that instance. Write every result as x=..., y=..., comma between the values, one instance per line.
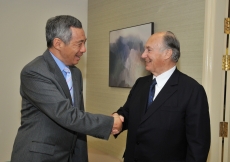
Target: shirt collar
x=163, y=78
x=60, y=64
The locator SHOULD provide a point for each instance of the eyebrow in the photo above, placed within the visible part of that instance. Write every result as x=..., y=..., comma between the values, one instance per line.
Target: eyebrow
x=148, y=47
x=82, y=41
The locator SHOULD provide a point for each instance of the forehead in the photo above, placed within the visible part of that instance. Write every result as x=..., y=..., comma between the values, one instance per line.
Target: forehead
x=154, y=41
x=78, y=34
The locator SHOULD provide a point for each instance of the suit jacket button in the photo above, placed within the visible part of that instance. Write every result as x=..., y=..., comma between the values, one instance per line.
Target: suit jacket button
x=137, y=143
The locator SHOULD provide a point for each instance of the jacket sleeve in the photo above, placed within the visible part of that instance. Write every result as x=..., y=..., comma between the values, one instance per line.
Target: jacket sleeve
x=41, y=89
x=197, y=126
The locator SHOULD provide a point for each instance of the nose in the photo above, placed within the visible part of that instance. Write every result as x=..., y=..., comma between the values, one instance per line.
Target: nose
x=143, y=55
x=83, y=48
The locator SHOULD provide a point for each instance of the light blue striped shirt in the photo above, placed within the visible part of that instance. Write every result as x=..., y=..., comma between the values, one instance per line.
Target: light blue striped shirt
x=60, y=64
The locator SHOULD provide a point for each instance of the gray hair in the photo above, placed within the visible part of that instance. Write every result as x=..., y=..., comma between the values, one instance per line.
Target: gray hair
x=171, y=42
x=59, y=27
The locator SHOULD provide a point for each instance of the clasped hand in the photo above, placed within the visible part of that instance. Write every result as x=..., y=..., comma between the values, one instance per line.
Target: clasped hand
x=117, y=125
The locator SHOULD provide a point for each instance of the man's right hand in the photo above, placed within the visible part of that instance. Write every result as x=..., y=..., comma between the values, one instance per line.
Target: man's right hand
x=117, y=125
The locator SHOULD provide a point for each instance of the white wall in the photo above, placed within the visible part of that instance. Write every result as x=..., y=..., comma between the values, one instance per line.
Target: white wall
x=22, y=38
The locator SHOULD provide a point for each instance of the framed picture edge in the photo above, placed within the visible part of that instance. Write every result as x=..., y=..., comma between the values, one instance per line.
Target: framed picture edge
x=152, y=32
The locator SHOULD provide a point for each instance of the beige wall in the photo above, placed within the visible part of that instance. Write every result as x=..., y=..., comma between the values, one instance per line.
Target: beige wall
x=22, y=38
x=183, y=17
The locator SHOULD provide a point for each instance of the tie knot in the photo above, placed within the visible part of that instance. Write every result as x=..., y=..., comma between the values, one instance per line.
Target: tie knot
x=151, y=92
x=66, y=69
x=154, y=82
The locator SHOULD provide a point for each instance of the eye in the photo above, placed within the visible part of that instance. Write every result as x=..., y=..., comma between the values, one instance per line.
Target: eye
x=149, y=50
x=79, y=44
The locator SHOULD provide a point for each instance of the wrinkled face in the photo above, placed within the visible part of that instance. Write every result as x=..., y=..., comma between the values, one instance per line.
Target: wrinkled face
x=71, y=53
x=154, y=55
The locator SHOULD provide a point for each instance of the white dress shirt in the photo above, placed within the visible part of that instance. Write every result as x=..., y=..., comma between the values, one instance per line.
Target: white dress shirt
x=162, y=79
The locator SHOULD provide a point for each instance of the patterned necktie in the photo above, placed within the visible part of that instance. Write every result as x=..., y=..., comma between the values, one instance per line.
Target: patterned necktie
x=69, y=82
x=151, y=91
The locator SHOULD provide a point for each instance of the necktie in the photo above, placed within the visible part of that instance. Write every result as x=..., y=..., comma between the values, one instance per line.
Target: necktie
x=69, y=81
x=151, y=91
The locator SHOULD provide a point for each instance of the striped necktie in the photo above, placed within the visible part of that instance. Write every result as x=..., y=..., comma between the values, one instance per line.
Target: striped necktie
x=69, y=81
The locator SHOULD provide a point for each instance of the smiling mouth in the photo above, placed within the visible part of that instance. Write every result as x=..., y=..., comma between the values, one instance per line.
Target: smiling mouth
x=77, y=56
x=148, y=61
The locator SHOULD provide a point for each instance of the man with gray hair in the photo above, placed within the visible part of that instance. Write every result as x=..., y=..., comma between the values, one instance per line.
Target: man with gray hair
x=166, y=113
x=54, y=124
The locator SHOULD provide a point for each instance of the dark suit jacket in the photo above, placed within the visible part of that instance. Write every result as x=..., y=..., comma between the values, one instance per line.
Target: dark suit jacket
x=176, y=126
x=52, y=129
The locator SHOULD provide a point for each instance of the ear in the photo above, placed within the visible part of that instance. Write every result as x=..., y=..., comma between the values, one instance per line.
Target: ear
x=168, y=54
x=58, y=43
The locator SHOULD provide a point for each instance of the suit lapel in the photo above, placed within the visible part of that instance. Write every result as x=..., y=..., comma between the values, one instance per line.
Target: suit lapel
x=167, y=91
x=57, y=73
x=145, y=94
x=76, y=87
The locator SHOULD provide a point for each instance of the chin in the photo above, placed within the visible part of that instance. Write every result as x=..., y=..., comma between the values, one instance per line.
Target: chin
x=147, y=66
x=147, y=69
x=76, y=62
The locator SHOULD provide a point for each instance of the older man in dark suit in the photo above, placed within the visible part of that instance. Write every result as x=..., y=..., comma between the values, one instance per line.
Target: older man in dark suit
x=170, y=122
x=54, y=124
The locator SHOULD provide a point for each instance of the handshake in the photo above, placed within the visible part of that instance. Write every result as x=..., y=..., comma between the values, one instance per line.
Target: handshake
x=117, y=125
